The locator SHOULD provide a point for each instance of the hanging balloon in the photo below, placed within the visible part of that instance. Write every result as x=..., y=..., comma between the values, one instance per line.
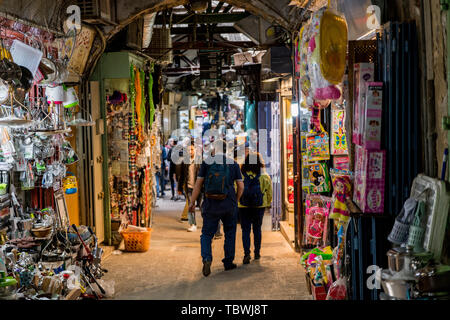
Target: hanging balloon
x=322, y=89
x=305, y=81
x=333, y=46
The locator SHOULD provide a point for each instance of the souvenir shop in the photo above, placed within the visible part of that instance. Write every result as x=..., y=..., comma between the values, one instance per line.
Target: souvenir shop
x=370, y=226
x=131, y=143
x=44, y=252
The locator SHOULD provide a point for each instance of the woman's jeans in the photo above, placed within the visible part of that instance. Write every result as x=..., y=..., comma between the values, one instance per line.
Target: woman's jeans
x=251, y=217
x=190, y=215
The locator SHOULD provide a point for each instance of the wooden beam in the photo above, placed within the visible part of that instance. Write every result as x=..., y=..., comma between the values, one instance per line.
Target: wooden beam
x=218, y=7
x=205, y=18
x=209, y=10
x=228, y=8
x=204, y=45
x=189, y=62
x=203, y=30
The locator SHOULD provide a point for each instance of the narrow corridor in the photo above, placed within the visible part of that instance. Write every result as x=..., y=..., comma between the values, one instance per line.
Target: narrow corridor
x=171, y=269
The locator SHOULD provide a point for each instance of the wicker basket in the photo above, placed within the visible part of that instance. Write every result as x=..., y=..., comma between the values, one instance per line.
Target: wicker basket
x=136, y=241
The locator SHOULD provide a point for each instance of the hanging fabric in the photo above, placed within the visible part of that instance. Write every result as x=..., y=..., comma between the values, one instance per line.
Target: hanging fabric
x=132, y=93
x=150, y=98
x=144, y=99
x=138, y=88
x=250, y=116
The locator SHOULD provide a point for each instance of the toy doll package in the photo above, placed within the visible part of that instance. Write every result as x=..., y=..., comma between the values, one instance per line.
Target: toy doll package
x=342, y=184
x=316, y=226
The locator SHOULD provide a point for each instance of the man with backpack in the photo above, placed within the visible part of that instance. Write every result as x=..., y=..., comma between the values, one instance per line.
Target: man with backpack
x=218, y=174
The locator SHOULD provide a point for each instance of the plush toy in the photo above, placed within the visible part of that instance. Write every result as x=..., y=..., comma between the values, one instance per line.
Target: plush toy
x=342, y=185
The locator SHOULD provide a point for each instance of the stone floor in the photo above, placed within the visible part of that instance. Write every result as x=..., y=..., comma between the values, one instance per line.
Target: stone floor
x=171, y=268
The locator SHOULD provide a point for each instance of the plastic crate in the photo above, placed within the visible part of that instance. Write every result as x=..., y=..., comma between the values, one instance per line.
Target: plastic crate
x=436, y=211
x=136, y=241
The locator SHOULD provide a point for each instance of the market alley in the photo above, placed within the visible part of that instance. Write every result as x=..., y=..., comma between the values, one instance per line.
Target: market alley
x=171, y=268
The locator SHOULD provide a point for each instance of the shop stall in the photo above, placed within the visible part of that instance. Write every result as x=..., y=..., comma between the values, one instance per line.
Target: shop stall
x=287, y=160
x=44, y=252
x=126, y=88
x=362, y=238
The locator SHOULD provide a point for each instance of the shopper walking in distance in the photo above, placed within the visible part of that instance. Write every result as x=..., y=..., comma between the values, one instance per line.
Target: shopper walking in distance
x=187, y=175
x=172, y=170
x=218, y=174
x=257, y=196
x=161, y=173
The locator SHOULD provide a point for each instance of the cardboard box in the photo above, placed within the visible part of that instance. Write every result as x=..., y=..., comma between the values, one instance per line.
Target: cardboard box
x=363, y=73
x=371, y=130
x=369, y=180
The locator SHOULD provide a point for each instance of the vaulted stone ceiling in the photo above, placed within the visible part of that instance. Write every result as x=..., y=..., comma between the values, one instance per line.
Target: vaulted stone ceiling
x=53, y=12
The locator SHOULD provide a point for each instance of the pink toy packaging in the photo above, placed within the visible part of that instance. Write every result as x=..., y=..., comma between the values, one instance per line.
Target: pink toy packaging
x=363, y=73
x=369, y=180
x=371, y=130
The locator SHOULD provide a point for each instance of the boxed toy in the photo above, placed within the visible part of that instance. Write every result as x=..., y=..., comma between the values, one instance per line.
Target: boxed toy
x=363, y=73
x=368, y=191
x=371, y=130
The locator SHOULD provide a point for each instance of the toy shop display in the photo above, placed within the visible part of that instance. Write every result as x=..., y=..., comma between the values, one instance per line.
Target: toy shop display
x=369, y=180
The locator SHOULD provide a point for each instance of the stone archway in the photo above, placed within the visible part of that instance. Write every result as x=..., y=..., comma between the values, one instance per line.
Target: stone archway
x=127, y=12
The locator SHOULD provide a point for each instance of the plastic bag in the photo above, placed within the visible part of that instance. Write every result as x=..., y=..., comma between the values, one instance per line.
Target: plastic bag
x=338, y=290
x=305, y=82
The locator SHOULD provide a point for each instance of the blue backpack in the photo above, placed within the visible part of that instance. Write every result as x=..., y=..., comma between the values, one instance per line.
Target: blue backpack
x=216, y=181
x=252, y=196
